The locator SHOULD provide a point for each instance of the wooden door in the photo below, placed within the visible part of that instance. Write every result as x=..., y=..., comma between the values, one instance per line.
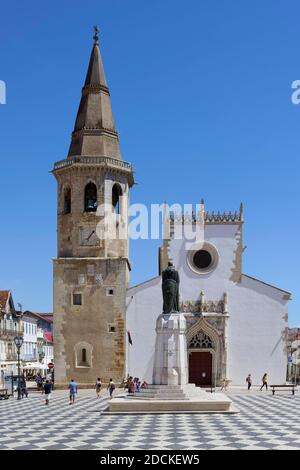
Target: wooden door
x=200, y=368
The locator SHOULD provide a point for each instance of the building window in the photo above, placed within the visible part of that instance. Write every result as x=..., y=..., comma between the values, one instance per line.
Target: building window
x=109, y=291
x=111, y=328
x=77, y=299
x=203, y=258
x=116, y=194
x=90, y=198
x=83, y=354
x=201, y=341
x=67, y=200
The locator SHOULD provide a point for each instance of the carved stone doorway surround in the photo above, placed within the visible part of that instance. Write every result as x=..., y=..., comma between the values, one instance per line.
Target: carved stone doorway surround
x=216, y=346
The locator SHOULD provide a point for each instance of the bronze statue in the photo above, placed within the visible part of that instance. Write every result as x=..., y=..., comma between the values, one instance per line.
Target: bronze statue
x=170, y=289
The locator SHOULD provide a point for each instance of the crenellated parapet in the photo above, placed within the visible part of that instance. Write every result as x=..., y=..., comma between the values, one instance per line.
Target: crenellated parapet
x=205, y=217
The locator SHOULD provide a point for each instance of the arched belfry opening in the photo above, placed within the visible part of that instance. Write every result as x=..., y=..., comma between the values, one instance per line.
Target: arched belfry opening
x=67, y=200
x=90, y=198
x=116, y=195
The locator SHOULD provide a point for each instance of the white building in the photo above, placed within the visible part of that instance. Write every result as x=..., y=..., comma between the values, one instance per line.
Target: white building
x=10, y=326
x=236, y=324
x=29, y=348
x=38, y=343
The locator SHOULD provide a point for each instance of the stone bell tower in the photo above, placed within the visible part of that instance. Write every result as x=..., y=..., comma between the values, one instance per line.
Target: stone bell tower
x=91, y=271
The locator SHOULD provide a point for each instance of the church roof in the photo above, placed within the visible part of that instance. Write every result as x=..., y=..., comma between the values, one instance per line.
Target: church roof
x=269, y=285
x=94, y=131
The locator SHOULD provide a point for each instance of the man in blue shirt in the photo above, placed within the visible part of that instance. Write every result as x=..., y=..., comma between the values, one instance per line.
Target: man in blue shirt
x=73, y=391
x=47, y=391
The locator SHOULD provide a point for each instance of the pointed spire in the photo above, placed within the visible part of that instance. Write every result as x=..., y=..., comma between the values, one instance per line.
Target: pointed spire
x=94, y=132
x=241, y=212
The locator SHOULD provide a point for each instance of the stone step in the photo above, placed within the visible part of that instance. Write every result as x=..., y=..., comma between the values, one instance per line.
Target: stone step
x=160, y=394
x=157, y=397
x=153, y=390
x=165, y=393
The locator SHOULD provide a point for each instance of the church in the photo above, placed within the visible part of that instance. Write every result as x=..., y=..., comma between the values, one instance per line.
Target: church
x=236, y=324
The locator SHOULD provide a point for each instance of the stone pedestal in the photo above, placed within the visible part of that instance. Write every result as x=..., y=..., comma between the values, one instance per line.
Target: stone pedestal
x=170, y=360
x=170, y=391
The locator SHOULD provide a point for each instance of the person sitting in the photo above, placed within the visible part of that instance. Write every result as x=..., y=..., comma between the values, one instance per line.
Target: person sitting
x=144, y=384
x=132, y=387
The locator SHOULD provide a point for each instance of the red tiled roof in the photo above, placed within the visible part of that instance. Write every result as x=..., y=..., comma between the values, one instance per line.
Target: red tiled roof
x=48, y=337
x=41, y=316
x=4, y=295
x=47, y=317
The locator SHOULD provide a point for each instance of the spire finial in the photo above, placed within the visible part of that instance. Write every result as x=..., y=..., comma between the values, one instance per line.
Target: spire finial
x=96, y=34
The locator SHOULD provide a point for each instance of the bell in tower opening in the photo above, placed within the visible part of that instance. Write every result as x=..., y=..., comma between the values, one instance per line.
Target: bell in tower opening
x=90, y=198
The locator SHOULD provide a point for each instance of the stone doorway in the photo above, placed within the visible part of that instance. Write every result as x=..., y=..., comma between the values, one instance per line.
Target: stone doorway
x=200, y=368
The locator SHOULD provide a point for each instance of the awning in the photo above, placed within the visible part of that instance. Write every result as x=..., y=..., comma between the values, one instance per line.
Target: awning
x=35, y=365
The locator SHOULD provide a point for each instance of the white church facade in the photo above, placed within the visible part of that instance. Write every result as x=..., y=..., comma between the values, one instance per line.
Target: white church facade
x=236, y=325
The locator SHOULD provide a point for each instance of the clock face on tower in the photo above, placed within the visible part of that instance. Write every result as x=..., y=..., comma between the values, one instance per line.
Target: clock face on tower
x=88, y=236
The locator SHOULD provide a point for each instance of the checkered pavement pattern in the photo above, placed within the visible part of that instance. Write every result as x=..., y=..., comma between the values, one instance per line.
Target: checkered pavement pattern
x=264, y=422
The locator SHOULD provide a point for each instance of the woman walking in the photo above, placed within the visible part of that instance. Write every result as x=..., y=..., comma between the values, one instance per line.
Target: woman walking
x=264, y=381
x=111, y=387
x=98, y=387
x=249, y=381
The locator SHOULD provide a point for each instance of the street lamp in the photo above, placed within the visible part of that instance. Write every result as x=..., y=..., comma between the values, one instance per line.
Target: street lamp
x=18, y=342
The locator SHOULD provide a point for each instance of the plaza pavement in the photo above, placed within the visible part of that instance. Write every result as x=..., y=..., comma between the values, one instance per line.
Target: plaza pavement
x=264, y=422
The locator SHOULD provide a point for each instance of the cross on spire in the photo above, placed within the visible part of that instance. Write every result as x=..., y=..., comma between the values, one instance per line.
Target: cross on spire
x=96, y=34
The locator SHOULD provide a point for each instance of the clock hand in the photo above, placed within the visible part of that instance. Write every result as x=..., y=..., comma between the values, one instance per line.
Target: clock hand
x=90, y=235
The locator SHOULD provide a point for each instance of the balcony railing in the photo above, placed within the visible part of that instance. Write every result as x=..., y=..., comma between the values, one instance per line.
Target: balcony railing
x=11, y=357
x=94, y=160
x=11, y=332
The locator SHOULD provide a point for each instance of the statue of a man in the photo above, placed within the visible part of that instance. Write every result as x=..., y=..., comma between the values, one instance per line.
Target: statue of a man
x=170, y=289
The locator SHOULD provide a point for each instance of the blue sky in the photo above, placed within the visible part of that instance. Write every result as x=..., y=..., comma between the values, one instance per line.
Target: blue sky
x=201, y=93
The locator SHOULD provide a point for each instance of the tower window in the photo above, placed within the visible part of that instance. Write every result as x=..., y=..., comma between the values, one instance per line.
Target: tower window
x=116, y=194
x=109, y=291
x=90, y=198
x=67, y=200
x=83, y=356
x=111, y=328
x=77, y=299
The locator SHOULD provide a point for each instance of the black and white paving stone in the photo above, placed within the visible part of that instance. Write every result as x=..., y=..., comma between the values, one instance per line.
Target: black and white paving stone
x=264, y=422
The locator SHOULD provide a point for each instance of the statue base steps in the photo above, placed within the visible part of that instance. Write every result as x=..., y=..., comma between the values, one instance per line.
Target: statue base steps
x=172, y=399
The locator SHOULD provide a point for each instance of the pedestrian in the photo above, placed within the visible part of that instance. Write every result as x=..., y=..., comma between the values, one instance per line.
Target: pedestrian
x=126, y=382
x=24, y=390
x=144, y=384
x=47, y=388
x=132, y=386
x=249, y=381
x=111, y=387
x=73, y=391
x=39, y=382
x=98, y=387
x=264, y=381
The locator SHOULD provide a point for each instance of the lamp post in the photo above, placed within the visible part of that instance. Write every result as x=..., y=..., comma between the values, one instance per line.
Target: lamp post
x=18, y=342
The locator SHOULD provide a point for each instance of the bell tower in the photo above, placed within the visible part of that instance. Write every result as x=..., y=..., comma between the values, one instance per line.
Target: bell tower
x=91, y=271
